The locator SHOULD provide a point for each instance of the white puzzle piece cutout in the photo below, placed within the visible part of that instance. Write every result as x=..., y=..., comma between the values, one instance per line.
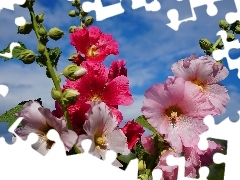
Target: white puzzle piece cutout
x=226, y=130
x=173, y=14
x=231, y=17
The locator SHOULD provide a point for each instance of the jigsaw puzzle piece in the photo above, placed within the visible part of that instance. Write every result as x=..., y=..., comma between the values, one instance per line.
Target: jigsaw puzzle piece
x=153, y=6
x=224, y=53
x=173, y=14
x=103, y=12
x=180, y=162
x=9, y=4
x=231, y=17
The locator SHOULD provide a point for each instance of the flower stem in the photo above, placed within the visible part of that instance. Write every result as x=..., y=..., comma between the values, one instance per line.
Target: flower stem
x=217, y=42
x=55, y=79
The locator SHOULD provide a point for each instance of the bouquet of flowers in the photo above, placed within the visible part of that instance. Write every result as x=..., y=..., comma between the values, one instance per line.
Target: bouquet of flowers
x=87, y=106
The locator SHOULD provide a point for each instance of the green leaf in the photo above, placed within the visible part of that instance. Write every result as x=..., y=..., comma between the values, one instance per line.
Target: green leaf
x=15, y=53
x=143, y=122
x=9, y=116
x=127, y=158
x=54, y=55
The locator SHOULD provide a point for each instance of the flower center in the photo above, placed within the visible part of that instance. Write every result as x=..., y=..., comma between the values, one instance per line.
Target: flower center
x=92, y=51
x=173, y=113
x=95, y=97
x=198, y=83
x=100, y=142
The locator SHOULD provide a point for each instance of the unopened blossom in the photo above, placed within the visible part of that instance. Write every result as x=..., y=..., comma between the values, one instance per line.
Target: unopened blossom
x=176, y=110
x=133, y=132
x=101, y=129
x=205, y=73
x=93, y=43
x=171, y=172
x=39, y=120
x=94, y=87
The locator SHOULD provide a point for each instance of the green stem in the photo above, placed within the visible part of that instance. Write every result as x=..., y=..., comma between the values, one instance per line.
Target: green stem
x=52, y=73
x=217, y=42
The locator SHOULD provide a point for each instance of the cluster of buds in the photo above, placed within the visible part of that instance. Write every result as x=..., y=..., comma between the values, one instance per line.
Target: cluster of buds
x=85, y=19
x=231, y=30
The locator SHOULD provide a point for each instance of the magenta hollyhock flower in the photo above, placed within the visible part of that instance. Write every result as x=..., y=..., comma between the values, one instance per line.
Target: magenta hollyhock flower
x=93, y=44
x=171, y=172
x=39, y=120
x=101, y=129
x=205, y=73
x=176, y=110
x=133, y=132
x=93, y=87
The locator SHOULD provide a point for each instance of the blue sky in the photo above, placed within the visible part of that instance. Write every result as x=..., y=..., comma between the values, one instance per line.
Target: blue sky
x=148, y=45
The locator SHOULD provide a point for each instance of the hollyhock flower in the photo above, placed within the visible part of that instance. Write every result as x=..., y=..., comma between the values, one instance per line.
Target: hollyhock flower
x=133, y=132
x=39, y=120
x=93, y=44
x=93, y=87
x=205, y=73
x=117, y=68
x=171, y=172
x=148, y=144
x=176, y=109
x=101, y=129
x=199, y=157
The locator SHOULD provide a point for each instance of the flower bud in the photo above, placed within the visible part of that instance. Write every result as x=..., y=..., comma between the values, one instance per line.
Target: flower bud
x=56, y=95
x=40, y=18
x=25, y=29
x=76, y=3
x=69, y=96
x=73, y=56
x=141, y=165
x=223, y=24
x=41, y=48
x=55, y=33
x=42, y=31
x=220, y=45
x=83, y=13
x=205, y=44
x=237, y=29
x=73, y=13
x=230, y=37
x=27, y=3
x=74, y=72
x=27, y=56
x=72, y=28
x=88, y=20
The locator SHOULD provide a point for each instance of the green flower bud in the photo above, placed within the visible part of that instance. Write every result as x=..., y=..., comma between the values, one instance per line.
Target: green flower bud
x=88, y=20
x=205, y=44
x=40, y=18
x=56, y=95
x=230, y=37
x=83, y=13
x=223, y=24
x=74, y=72
x=237, y=29
x=42, y=31
x=72, y=28
x=41, y=48
x=55, y=33
x=141, y=165
x=73, y=13
x=27, y=56
x=69, y=96
x=25, y=29
x=73, y=56
x=76, y=3
x=28, y=3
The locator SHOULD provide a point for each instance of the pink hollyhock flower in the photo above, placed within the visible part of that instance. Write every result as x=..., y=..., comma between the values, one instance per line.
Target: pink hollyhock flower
x=171, y=172
x=93, y=44
x=101, y=128
x=199, y=157
x=93, y=87
x=205, y=73
x=39, y=120
x=133, y=132
x=176, y=109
